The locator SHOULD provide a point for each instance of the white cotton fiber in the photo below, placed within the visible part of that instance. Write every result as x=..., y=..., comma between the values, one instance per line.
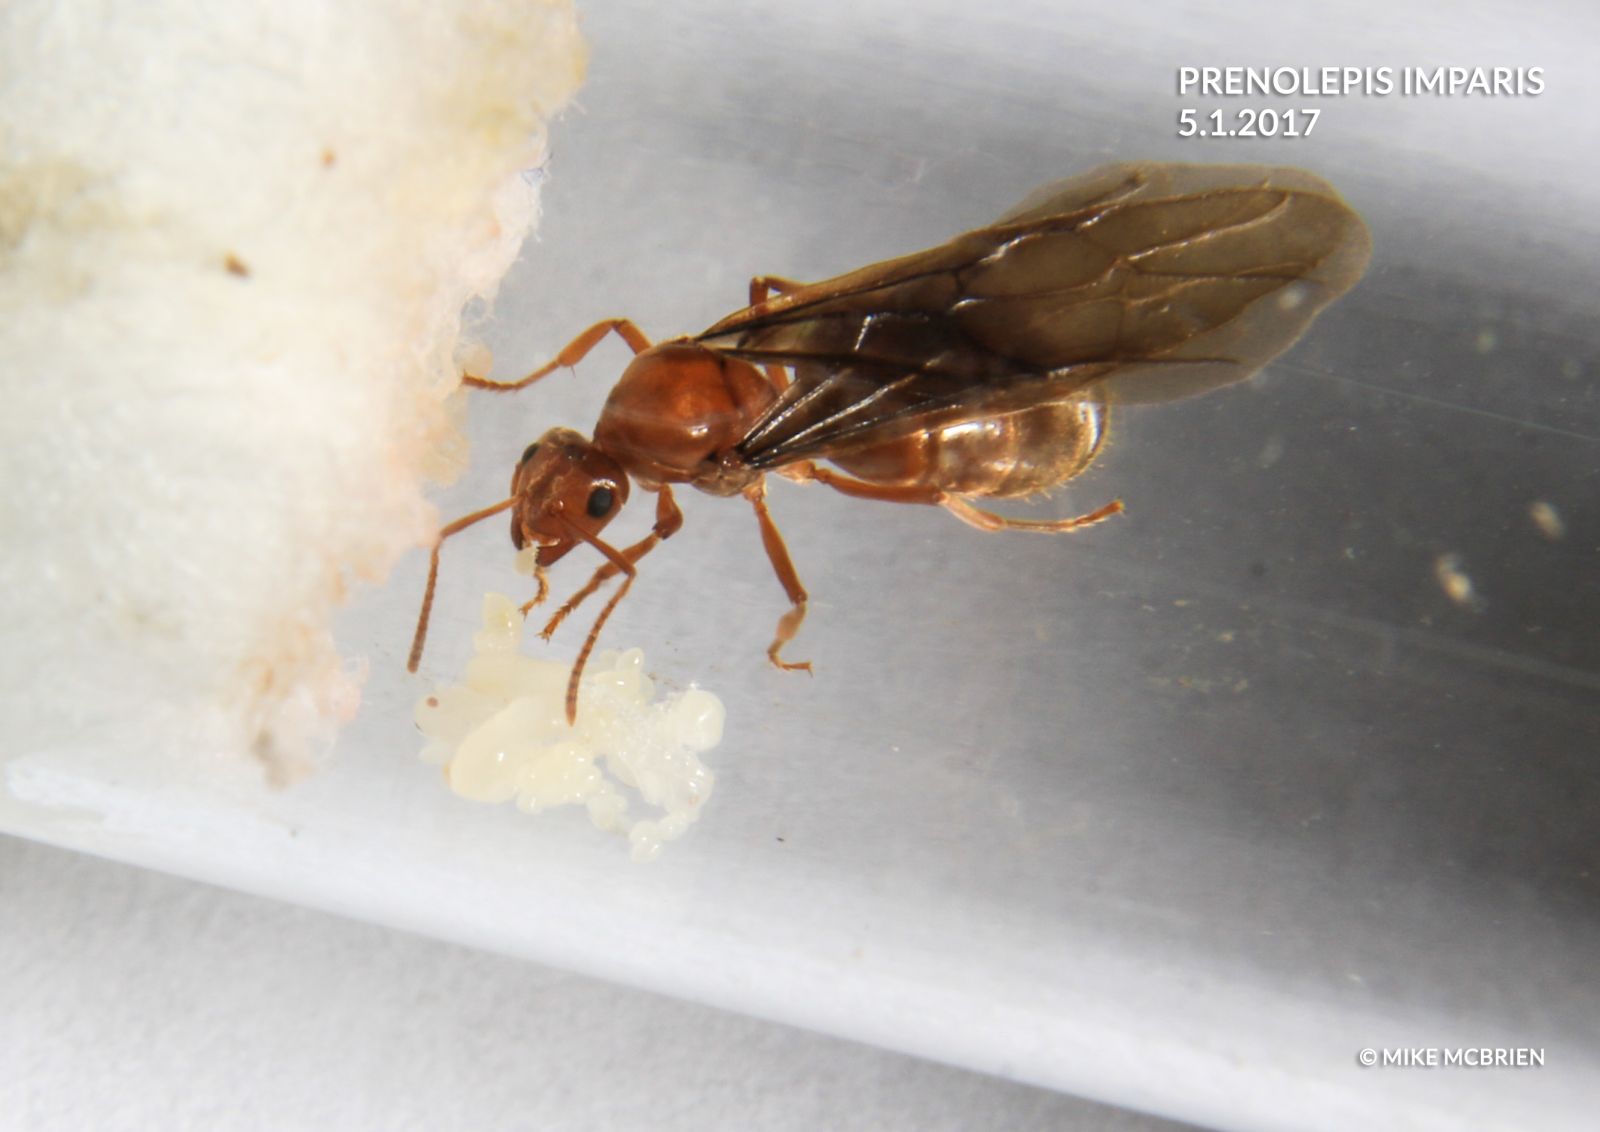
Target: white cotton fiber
x=235, y=242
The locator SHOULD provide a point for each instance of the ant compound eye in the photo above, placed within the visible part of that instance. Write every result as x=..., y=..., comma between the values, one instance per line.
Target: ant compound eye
x=527, y=453
x=601, y=500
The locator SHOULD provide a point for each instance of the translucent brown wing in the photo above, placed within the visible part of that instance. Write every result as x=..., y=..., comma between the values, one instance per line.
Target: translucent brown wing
x=1135, y=282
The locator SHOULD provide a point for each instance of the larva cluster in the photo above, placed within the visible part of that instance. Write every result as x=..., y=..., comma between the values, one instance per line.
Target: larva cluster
x=502, y=735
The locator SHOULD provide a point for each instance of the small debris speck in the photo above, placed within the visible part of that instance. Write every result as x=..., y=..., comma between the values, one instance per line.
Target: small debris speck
x=1547, y=519
x=1454, y=581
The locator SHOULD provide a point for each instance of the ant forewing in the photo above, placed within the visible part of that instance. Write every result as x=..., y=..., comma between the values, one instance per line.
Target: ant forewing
x=982, y=368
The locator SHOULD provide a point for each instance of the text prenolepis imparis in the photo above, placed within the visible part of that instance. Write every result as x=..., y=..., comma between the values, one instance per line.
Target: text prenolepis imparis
x=981, y=368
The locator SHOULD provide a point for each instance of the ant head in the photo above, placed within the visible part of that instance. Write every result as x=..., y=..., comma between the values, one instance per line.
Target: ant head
x=566, y=488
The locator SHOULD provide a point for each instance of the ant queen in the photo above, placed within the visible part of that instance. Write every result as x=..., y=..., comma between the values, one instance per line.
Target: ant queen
x=983, y=368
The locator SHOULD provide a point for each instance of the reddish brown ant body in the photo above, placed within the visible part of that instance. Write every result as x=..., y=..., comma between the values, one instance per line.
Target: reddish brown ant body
x=982, y=368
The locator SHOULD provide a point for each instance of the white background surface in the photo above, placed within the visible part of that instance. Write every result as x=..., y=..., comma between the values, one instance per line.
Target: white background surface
x=137, y=1001
x=1179, y=813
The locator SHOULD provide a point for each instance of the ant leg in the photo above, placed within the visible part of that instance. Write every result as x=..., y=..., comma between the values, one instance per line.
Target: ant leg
x=763, y=285
x=778, y=555
x=599, y=578
x=989, y=521
x=543, y=579
x=570, y=355
x=456, y=527
x=805, y=471
x=668, y=520
x=760, y=287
